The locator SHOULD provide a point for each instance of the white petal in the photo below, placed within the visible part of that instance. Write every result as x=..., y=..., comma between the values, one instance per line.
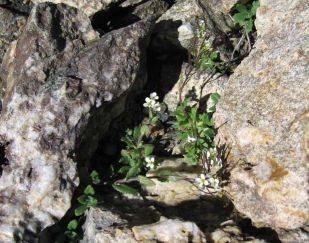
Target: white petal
x=203, y=177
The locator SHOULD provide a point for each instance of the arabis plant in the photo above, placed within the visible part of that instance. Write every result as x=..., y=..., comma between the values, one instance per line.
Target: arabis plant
x=208, y=183
x=195, y=129
x=153, y=106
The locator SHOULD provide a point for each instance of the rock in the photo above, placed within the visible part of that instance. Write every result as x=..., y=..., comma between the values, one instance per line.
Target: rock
x=232, y=234
x=217, y=12
x=10, y=27
x=175, y=29
x=63, y=86
x=102, y=226
x=176, y=190
x=194, y=83
x=88, y=7
x=264, y=110
x=17, y=6
x=169, y=231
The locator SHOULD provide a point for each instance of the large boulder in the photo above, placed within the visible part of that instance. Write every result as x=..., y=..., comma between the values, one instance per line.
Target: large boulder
x=264, y=121
x=63, y=86
x=88, y=7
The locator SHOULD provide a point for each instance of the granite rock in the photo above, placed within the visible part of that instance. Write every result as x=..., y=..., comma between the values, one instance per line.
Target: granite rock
x=264, y=110
x=63, y=86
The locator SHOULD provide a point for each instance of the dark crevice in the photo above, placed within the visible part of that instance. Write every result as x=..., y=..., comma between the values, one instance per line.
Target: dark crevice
x=17, y=7
x=3, y=159
x=115, y=17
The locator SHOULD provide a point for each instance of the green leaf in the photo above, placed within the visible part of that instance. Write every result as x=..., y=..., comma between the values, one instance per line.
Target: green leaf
x=89, y=190
x=248, y=26
x=154, y=119
x=124, y=153
x=71, y=235
x=133, y=171
x=215, y=97
x=83, y=199
x=240, y=18
x=92, y=202
x=255, y=6
x=95, y=177
x=148, y=149
x=145, y=130
x=125, y=189
x=146, y=181
x=72, y=225
x=241, y=8
x=136, y=133
x=166, y=173
x=124, y=169
x=80, y=210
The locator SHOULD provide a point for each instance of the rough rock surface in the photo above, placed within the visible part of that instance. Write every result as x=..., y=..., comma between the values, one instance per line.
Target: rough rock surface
x=53, y=84
x=169, y=231
x=264, y=110
x=176, y=190
x=194, y=83
x=175, y=28
x=10, y=26
x=102, y=226
x=89, y=7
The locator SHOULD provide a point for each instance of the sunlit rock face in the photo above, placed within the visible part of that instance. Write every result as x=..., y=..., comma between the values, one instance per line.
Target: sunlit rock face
x=263, y=118
x=63, y=85
x=89, y=7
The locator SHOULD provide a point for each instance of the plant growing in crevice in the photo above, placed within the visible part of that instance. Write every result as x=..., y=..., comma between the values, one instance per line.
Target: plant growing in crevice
x=244, y=17
x=203, y=56
x=195, y=129
x=136, y=157
x=86, y=200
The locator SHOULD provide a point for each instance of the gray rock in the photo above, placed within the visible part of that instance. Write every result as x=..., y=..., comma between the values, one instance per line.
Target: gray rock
x=10, y=28
x=194, y=83
x=63, y=86
x=264, y=110
x=169, y=231
x=88, y=7
x=178, y=189
x=169, y=34
x=103, y=226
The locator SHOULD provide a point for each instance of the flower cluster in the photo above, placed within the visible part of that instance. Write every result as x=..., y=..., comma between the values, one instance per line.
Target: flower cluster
x=208, y=183
x=151, y=102
x=213, y=160
x=150, y=162
x=191, y=139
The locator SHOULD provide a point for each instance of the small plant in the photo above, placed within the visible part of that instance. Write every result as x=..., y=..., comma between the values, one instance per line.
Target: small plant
x=86, y=201
x=71, y=230
x=245, y=15
x=137, y=157
x=206, y=57
x=195, y=130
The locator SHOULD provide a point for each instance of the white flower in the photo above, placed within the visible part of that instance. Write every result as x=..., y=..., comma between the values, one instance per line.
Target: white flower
x=150, y=162
x=154, y=96
x=149, y=103
x=202, y=181
x=208, y=154
x=214, y=183
x=208, y=183
x=157, y=107
x=191, y=139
